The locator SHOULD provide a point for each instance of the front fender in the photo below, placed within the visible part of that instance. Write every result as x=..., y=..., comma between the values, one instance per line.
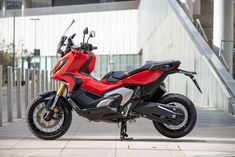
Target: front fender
x=49, y=96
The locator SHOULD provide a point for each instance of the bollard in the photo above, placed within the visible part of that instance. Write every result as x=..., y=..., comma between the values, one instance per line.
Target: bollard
x=1, y=96
x=42, y=80
x=38, y=82
x=32, y=85
x=46, y=79
x=53, y=84
x=26, y=88
x=9, y=99
x=56, y=85
x=56, y=82
x=18, y=92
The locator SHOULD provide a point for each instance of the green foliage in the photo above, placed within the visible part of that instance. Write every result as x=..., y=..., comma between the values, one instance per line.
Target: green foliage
x=6, y=57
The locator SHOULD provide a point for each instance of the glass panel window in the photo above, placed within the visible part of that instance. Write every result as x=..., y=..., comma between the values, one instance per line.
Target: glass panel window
x=13, y=5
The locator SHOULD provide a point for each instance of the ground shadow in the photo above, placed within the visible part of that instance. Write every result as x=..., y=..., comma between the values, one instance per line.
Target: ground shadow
x=133, y=140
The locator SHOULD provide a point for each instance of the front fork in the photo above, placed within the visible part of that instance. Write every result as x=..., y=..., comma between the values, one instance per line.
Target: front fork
x=52, y=108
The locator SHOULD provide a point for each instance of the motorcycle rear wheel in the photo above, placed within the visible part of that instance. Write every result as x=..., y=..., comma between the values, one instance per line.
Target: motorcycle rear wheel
x=187, y=124
x=47, y=130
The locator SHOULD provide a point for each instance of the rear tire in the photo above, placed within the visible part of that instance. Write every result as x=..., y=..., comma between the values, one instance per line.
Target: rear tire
x=172, y=131
x=39, y=127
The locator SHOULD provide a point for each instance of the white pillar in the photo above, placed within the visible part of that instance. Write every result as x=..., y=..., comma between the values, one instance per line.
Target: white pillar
x=223, y=30
x=3, y=7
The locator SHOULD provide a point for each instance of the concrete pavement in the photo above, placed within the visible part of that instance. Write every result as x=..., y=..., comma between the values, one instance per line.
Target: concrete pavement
x=214, y=135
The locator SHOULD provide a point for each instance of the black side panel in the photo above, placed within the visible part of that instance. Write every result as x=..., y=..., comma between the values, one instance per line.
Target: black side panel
x=102, y=114
x=148, y=91
x=85, y=67
x=82, y=100
x=91, y=95
x=77, y=81
x=117, y=100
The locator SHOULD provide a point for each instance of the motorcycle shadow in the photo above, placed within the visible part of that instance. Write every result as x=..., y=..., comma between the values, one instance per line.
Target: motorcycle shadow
x=135, y=140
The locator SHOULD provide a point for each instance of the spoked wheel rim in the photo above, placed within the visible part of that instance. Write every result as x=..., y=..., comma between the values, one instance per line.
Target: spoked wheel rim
x=47, y=126
x=183, y=121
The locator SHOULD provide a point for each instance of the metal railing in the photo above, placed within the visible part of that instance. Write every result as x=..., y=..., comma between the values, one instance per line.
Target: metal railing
x=200, y=29
x=220, y=54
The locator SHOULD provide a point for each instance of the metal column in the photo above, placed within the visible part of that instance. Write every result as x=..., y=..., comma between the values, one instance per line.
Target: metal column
x=1, y=96
x=33, y=85
x=26, y=88
x=9, y=94
x=223, y=30
x=18, y=93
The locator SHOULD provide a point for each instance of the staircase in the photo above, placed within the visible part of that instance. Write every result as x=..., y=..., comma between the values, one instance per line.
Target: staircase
x=206, y=19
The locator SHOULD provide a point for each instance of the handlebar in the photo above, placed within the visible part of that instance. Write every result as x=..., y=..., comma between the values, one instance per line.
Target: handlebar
x=70, y=45
x=95, y=47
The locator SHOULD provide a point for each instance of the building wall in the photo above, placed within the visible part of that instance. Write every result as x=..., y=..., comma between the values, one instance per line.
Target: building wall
x=116, y=31
x=170, y=35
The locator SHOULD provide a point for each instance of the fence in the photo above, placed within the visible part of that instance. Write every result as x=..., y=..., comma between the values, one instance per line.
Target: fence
x=31, y=82
x=35, y=82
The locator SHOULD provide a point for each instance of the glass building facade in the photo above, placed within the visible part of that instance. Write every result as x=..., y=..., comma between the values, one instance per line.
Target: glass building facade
x=104, y=63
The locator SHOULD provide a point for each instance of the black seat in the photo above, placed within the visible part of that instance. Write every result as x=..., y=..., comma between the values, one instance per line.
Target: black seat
x=114, y=76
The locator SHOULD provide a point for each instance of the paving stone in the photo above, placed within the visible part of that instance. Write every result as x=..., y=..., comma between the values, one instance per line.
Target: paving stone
x=213, y=136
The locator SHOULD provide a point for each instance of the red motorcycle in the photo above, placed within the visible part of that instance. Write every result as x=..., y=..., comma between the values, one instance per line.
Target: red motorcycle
x=118, y=97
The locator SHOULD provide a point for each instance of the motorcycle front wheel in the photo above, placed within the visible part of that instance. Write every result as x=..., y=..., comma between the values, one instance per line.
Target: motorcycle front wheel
x=48, y=130
x=184, y=125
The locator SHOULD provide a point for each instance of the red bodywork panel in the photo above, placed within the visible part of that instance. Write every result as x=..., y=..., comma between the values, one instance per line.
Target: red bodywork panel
x=76, y=60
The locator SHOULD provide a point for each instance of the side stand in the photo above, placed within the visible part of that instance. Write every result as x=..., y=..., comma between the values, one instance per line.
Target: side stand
x=123, y=131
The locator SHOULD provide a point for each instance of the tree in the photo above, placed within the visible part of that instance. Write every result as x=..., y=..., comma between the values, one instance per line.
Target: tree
x=6, y=57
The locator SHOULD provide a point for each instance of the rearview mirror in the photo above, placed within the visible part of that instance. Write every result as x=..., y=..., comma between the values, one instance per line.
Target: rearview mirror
x=92, y=34
x=85, y=31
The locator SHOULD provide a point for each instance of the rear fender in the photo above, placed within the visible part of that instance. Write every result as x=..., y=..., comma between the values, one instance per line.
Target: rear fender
x=190, y=74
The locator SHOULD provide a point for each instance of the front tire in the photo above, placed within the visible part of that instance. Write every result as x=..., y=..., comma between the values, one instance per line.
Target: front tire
x=187, y=124
x=48, y=130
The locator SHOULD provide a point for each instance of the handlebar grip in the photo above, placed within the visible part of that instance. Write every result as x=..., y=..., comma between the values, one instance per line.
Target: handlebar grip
x=95, y=47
